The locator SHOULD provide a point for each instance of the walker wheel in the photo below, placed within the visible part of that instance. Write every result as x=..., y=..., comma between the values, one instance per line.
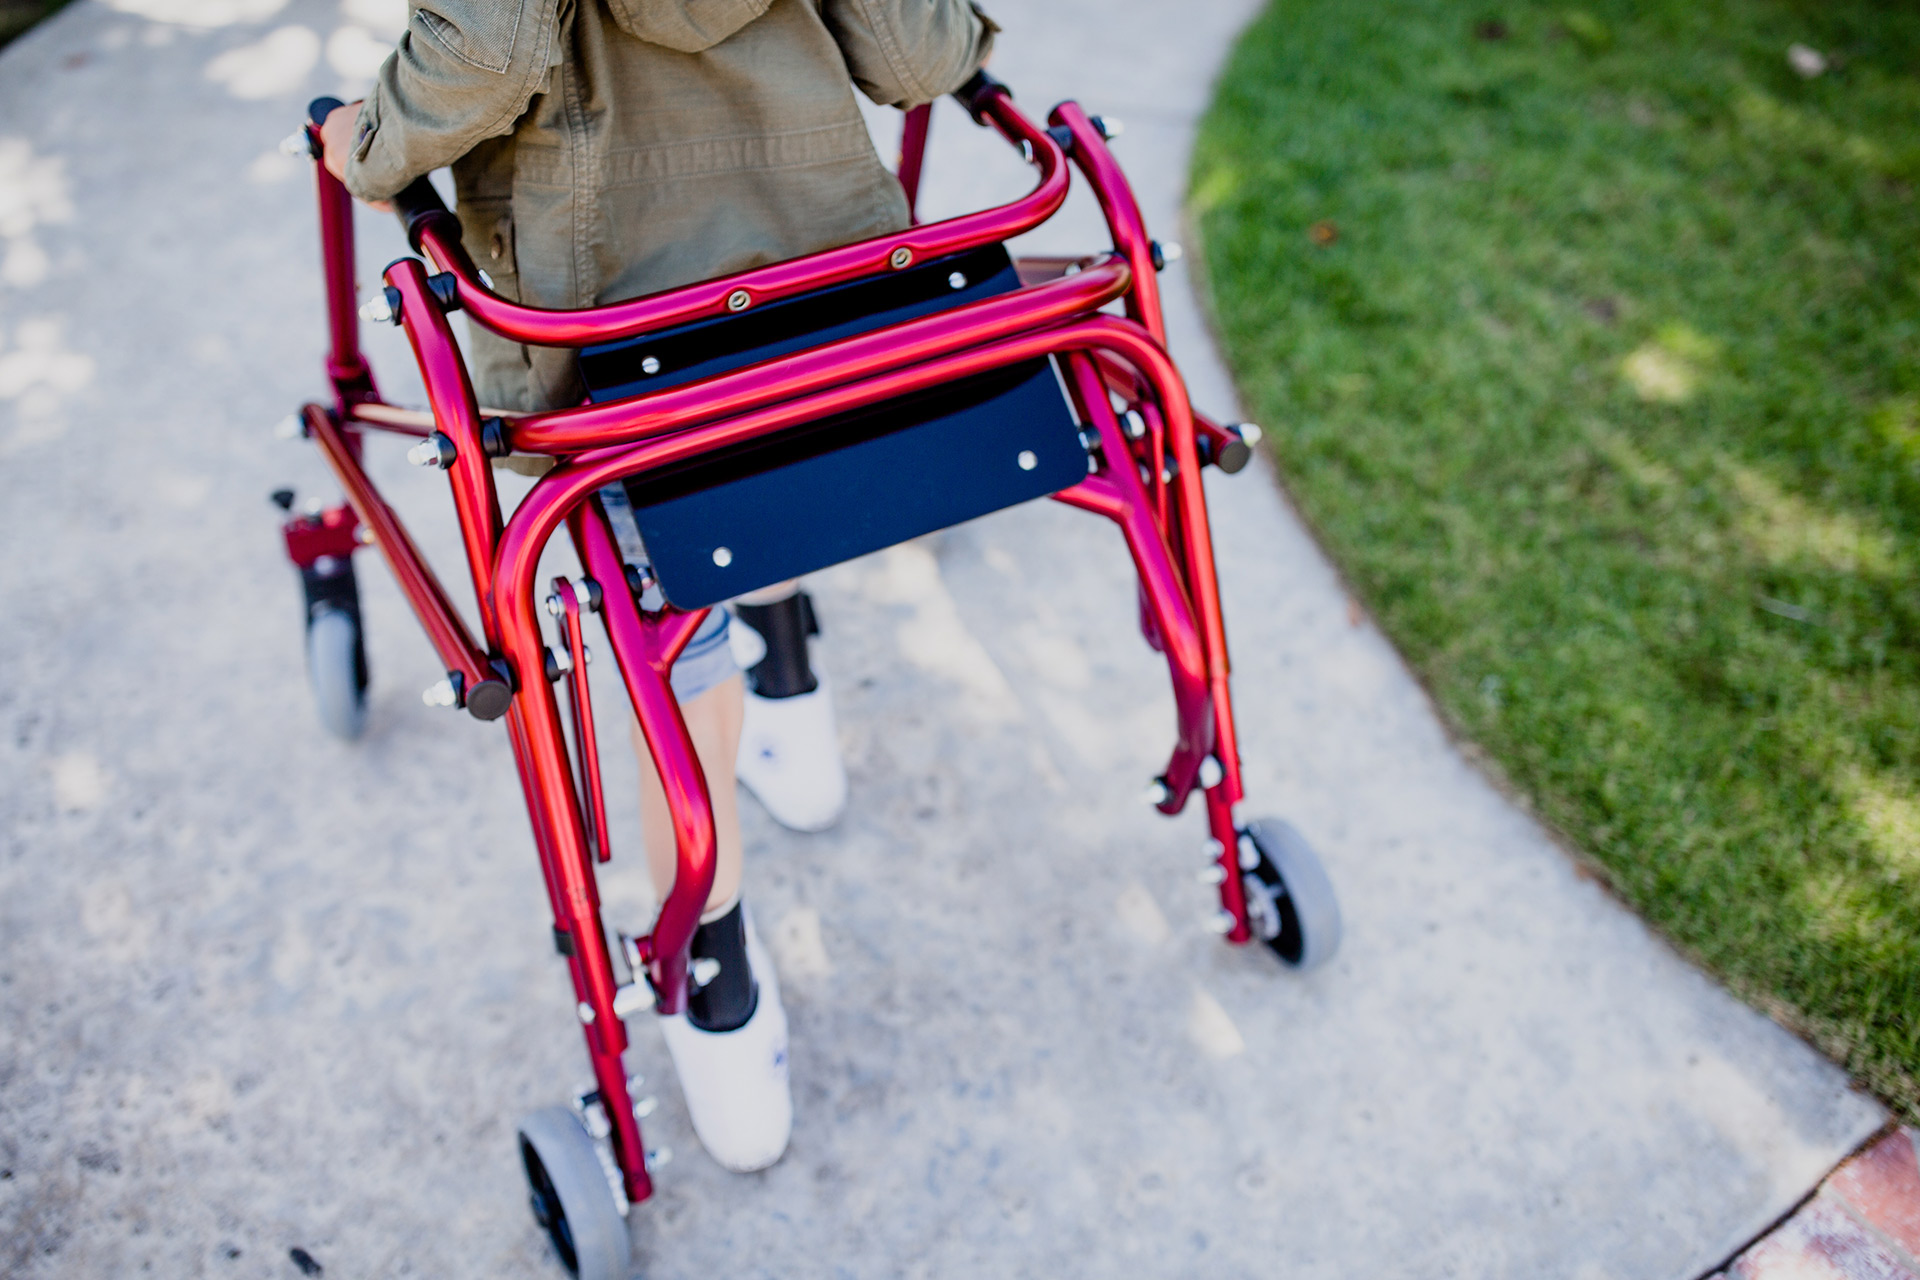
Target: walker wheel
x=572, y=1197
x=1290, y=902
x=337, y=669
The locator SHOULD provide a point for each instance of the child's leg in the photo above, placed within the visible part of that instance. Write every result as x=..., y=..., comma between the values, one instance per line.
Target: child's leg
x=790, y=748
x=713, y=721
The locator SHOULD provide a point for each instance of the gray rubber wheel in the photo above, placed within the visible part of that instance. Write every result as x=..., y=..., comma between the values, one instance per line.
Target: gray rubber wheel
x=571, y=1197
x=1290, y=901
x=337, y=672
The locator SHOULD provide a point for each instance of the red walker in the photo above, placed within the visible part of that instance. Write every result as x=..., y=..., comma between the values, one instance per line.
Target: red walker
x=1145, y=447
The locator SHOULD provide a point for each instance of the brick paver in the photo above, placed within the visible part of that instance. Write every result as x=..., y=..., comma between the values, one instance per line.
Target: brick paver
x=1863, y=1224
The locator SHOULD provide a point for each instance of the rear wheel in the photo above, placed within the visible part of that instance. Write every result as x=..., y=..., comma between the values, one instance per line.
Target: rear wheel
x=572, y=1196
x=1290, y=902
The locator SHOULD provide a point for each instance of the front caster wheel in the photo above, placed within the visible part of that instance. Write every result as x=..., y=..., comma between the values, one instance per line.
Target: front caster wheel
x=337, y=670
x=573, y=1199
x=1290, y=901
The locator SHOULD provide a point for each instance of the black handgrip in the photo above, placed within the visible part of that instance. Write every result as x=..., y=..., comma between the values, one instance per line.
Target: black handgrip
x=417, y=202
x=320, y=108
x=974, y=93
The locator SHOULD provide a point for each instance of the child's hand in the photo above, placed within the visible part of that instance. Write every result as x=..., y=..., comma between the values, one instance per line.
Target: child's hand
x=336, y=144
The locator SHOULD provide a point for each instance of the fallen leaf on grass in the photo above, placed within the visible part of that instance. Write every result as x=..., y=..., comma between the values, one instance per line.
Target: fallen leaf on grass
x=1323, y=233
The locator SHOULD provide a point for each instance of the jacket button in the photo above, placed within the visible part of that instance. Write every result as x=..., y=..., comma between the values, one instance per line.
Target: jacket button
x=499, y=246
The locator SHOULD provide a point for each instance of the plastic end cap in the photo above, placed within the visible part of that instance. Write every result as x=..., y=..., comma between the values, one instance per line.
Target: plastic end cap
x=489, y=700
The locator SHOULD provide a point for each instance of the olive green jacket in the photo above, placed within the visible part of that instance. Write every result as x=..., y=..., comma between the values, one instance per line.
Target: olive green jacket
x=605, y=149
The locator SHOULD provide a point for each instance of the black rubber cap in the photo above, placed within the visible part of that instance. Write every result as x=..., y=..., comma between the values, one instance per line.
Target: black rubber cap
x=489, y=700
x=1234, y=455
x=320, y=108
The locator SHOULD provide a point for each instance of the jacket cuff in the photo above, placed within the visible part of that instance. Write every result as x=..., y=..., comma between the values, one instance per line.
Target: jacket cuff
x=371, y=172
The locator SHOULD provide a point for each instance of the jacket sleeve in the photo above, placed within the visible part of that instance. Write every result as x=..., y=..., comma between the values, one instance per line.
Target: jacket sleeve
x=906, y=52
x=464, y=72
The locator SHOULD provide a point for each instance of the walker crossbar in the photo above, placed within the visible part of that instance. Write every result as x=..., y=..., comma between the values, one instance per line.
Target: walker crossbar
x=1146, y=443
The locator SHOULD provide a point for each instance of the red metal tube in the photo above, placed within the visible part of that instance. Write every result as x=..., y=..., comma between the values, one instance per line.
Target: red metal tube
x=440, y=240
x=1122, y=212
x=884, y=350
x=913, y=154
x=445, y=630
x=450, y=392
x=645, y=649
x=580, y=704
x=346, y=367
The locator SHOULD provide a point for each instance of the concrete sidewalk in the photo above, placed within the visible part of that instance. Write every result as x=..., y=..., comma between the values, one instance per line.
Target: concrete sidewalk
x=261, y=991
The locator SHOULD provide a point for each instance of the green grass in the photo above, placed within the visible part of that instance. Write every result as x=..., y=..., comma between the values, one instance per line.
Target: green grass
x=1589, y=341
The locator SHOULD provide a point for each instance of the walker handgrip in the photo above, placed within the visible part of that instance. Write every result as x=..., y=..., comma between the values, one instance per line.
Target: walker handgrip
x=975, y=93
x=417, y=202
x=320, y=108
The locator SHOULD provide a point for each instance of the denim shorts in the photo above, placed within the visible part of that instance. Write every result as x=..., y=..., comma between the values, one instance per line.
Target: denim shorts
x=707, y=661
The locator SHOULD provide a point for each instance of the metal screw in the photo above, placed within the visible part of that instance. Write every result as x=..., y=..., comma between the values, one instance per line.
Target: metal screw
x=1221, y=922
x=1214, y=874
x=722, y=556
x=900, y=257
x=659, y=1156
x=1249, y=431
x=378, y=309
x=1108, y=127
x=956, y=281
x=705, y=970
x=435, y=451
x=1157, y=792
x=554, y=607
x=1135, y=423
x=364, y=535
x=1249, y=853
x=1211, y=772
x=643, y=1107
x=291, y=427
x=739, y=300
x=634, y=998
x=1027, y=460
x=649, y=365
x=585, y=1011
x=297, y=146
x=440, y=695
x=559, y=661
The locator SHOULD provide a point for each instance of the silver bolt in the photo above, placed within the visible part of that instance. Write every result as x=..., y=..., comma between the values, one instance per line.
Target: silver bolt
x=643, y=1107
x=562, y=660
x=900, y=257
x=1214, y=848
x=1136, y=424
x=1109, y=127
x=364, y=535
x=377, y=310
x=739, y=300
x=435, y=451
x=634, y=998
x=1027, y=460
x=297, y=146
x=1249, y=854
x=1170, y=251
x=1157, y=792
x=722, y=556
x=291, y=427
x=585, y=1011
x=1214, y=874
x=440, y=695
x=705, y=970
x=956, y=281
x=650, y=364
x=554, y=607
x=1250, y=432
x=1211, y=772
x=1220, y=922
x=659, y=1156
